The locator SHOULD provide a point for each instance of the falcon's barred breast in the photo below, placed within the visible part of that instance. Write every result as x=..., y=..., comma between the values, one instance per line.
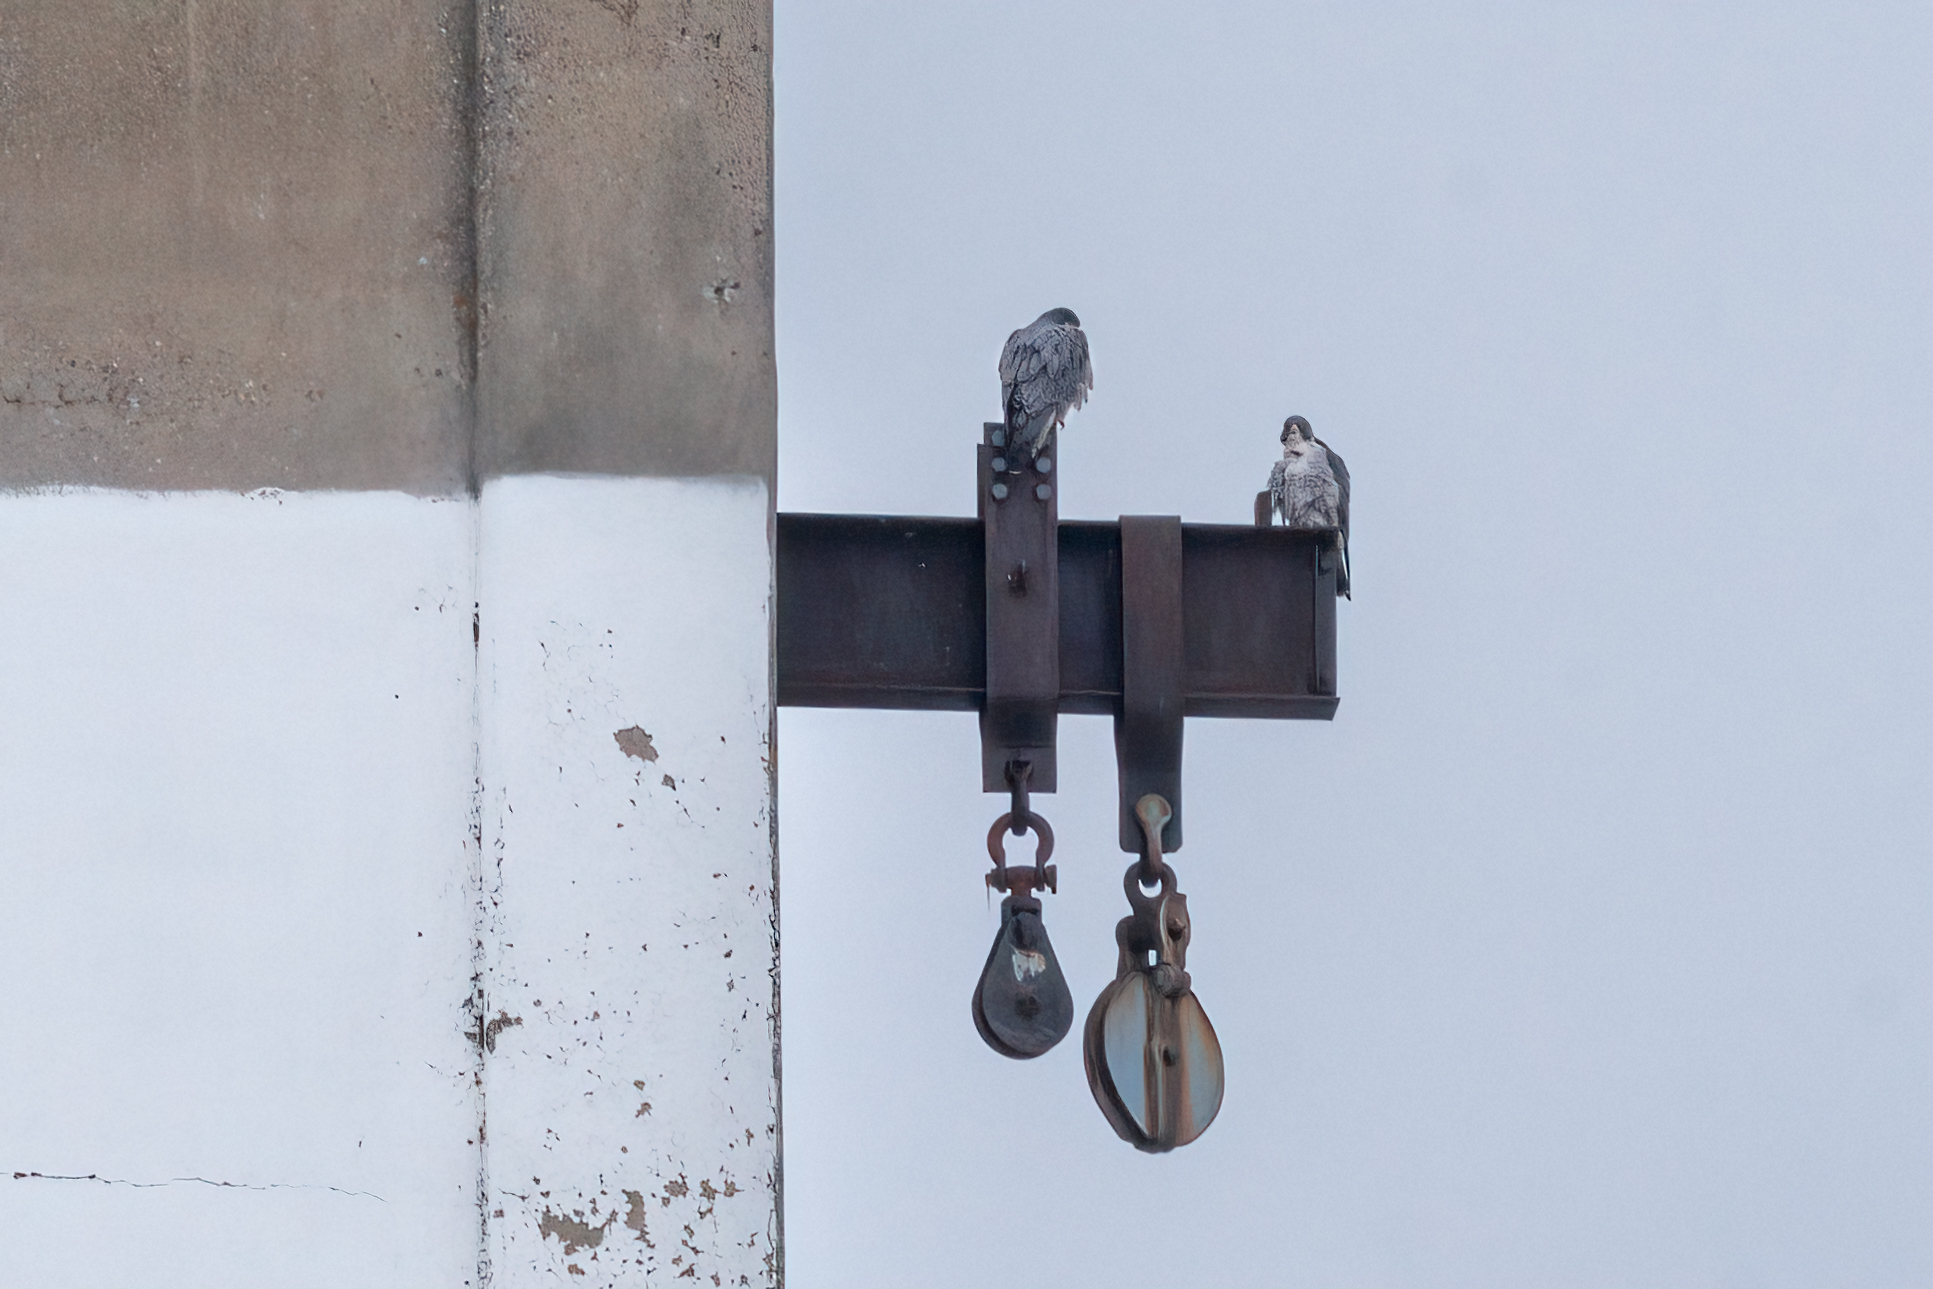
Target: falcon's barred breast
x=1309, y=488
x=1305, y=493
x=1044, y=374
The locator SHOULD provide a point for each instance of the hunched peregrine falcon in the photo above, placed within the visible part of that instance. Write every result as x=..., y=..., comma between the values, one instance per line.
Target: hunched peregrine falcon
x=1309, y=488
x=1044, y=374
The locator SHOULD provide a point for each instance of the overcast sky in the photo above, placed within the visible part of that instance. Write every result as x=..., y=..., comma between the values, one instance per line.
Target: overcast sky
x=1592, y=943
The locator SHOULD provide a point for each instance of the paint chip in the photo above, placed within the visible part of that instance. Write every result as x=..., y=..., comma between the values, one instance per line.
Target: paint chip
x=573, y=1233
x=635, y=742
x=503, y=1021
x=634, y=1217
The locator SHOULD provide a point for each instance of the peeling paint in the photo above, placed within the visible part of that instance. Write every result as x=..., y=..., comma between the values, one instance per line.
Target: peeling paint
x=572, y=1231
x=635, y=742
x=503, y=1021
x=634, y=1214
x=573, y=900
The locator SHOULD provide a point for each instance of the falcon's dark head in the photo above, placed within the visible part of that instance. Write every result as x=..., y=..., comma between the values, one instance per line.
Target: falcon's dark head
x=1063, y=316
x=1299, y=424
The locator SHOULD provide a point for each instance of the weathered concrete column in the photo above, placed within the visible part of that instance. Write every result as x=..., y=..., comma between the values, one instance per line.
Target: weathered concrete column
x=387, y=432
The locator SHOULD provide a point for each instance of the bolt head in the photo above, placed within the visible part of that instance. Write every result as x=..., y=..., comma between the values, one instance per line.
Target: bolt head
x=999, y=491
x=1043, y=491
x=1044, y=464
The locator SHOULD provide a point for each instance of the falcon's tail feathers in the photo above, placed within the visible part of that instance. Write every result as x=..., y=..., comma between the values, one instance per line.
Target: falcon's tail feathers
x=1025, y=434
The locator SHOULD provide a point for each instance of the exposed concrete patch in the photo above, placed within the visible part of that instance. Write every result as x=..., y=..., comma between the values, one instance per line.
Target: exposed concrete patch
x=628, y=198
x=573, y=1232
x=635, y=742
x=235, y=268
x=634, y=1217
x=401, y=245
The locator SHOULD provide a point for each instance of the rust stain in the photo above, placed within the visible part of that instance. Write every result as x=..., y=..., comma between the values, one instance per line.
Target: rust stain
x=635, y=742
x=573, y=1232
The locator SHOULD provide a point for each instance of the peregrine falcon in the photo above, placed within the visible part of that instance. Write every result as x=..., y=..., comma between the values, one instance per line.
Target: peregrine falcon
x=1044, y=374
x=1309, y=488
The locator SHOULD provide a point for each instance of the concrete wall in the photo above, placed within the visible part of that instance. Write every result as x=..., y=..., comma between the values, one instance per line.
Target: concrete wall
x=386, y=450
x=315, y=244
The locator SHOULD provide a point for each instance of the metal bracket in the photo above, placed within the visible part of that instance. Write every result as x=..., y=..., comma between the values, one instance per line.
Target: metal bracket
x=1020, y=523
x=1148, y=729
x=1020, y=617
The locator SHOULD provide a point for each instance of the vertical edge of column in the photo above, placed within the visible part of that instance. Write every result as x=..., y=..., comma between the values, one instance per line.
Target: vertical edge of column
x=629, y=1028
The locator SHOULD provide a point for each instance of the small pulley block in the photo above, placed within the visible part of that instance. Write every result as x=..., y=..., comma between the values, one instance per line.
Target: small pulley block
x=1022, y=1005
x=1153, y=1061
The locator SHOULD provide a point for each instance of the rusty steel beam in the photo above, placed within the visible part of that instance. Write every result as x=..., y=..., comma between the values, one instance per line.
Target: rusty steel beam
x=1147, y=731
x=1020, y=516
x=890, y=612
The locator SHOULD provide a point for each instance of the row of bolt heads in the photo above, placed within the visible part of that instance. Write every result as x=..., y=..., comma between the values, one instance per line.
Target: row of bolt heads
x=1045, y=465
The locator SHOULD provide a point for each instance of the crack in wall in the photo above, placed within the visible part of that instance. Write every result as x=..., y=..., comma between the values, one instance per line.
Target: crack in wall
x=468, y=301
x=200, y=1181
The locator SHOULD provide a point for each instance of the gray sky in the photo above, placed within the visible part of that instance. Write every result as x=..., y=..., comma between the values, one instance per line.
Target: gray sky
x=1590, y=944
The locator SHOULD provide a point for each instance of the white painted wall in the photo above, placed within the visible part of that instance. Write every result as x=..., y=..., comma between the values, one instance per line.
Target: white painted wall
x=235, y=764
x=631, y=1099
x=244, y=920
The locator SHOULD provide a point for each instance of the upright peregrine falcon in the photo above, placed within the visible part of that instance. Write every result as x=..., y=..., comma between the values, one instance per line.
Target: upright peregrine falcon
x=1044, y=374
x=1309, y=488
